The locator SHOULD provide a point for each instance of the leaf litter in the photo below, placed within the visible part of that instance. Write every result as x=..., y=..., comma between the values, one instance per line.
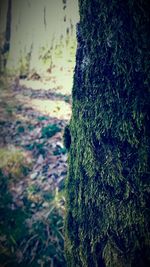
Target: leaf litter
x=36, y=134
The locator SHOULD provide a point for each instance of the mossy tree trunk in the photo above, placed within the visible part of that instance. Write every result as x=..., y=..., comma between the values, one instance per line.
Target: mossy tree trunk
x=108, y=208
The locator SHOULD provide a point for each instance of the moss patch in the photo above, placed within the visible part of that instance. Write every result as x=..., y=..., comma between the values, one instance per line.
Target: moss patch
x=107, y=221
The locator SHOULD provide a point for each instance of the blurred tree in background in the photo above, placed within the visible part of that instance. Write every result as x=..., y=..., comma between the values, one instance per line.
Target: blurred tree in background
x=42, y=34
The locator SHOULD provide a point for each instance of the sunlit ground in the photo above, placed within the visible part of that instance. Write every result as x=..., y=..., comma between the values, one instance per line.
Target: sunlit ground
x=59, y=83
x=58, y=109
x=60, y=80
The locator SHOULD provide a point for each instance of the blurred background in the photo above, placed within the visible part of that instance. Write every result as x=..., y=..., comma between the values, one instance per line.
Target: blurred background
x=37, y=34
x=37, y=60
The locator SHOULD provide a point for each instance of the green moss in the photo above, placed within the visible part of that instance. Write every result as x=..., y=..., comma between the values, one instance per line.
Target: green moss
x=107, y=186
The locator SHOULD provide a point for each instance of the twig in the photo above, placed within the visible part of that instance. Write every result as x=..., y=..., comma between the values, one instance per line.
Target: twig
x=29, y=242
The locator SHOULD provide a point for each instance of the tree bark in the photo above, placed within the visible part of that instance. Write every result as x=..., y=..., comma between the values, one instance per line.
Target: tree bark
x=5, y=34
x=8, y=28
x=108, y=210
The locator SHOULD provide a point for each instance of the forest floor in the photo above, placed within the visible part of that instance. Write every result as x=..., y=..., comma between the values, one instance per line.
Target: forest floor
x=33, y=167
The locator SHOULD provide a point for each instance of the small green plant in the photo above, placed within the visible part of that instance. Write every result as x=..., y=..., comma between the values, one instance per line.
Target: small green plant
x=31, y=127
x=30, y=238
x=13, y=163
x=42, y=118
x=20, y=129
x=50, y=130
x=12, y=225
x=45, y=243
x=38, y=147
x=9, y=109
x=60, y=150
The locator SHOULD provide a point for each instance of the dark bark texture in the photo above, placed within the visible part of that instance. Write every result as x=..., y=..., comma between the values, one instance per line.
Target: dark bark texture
x=8, y=27
x=4, y=49
x=108, y=193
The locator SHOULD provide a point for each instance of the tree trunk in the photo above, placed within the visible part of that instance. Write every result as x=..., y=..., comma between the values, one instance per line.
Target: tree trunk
x=108, y=210
x=8, y=28
x=5, y=32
